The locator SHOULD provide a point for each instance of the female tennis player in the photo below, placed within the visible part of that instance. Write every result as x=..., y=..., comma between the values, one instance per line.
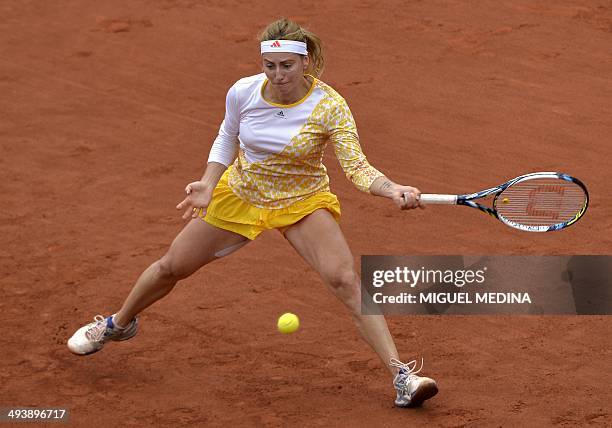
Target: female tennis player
x=265, y=171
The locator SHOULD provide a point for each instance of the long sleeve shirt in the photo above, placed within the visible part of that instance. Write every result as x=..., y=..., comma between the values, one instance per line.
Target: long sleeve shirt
x=280, y=147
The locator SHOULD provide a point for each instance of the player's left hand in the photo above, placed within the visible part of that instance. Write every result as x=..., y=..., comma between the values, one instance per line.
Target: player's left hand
x=406, y=197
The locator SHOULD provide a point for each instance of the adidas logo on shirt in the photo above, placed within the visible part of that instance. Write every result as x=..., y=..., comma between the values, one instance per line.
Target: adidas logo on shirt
x=281, y=115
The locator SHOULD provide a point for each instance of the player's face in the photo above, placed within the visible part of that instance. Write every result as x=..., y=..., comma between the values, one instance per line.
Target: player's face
x=285, y=71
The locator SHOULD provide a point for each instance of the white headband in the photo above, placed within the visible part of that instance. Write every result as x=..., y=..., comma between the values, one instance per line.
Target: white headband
x=284, y=46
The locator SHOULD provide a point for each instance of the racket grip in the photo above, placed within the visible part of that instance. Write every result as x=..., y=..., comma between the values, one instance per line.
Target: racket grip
x=438, y=199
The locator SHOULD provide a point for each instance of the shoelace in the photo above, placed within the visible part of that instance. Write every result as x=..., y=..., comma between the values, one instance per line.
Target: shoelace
x=409, y=369
x=96, y=329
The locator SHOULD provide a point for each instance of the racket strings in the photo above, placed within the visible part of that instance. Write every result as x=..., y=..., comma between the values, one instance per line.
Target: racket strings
x=541, y=202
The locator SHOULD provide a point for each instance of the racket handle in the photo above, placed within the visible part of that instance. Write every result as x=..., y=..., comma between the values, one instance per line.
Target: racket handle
x=438, y=199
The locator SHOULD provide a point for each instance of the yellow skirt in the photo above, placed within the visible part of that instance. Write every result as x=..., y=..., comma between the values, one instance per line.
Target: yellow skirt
x=227, y=211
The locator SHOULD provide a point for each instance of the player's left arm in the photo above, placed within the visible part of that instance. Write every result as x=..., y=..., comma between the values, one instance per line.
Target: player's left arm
x=405, y=197
x=345, y=140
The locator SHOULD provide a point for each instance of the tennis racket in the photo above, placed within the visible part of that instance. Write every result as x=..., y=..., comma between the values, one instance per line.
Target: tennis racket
x=536, y=202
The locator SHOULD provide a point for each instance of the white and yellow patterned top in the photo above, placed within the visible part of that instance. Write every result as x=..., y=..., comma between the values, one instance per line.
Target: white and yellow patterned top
x=281, y=147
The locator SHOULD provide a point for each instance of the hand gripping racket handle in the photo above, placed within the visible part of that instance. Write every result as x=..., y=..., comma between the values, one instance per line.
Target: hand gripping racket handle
x=438, y=199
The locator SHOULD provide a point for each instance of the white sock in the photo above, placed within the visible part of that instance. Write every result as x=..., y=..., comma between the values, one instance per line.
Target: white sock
x=117, y=326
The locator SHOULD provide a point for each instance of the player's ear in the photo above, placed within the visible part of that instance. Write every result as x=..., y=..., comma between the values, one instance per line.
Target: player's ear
x=305, y=62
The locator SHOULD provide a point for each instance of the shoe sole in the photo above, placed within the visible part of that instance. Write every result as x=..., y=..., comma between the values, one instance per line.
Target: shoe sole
x=99, y=349
x=424, y=392
x=87, y=353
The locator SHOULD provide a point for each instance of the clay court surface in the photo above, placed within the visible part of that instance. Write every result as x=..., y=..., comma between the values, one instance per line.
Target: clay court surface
x=108, y=109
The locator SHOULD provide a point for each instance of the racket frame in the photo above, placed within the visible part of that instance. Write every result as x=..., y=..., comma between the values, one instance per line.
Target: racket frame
x=468, y=200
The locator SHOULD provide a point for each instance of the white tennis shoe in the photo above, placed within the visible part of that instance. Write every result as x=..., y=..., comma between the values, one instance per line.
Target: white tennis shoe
x=412, y=390
x=92, y=337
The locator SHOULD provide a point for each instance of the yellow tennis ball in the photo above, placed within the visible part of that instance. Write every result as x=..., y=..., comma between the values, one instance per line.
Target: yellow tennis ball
x=288, y=323
x=505, y=200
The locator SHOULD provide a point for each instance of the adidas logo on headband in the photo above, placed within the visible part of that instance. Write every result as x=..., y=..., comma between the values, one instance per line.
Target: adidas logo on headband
x=286, y=46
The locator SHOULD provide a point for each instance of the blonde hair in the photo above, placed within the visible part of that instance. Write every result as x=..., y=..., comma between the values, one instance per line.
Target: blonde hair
x=285, y=29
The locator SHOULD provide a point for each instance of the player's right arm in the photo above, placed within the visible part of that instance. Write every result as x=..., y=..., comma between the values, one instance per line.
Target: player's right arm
x=222, y=155
x=225, y=147
x=199, y=193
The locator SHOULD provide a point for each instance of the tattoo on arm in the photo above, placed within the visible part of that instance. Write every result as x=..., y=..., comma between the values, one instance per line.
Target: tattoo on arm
x=386, y=185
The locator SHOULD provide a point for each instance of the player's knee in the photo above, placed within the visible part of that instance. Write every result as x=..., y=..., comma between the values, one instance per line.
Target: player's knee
x=343, y=280
x=169, y=270
x=345, y=285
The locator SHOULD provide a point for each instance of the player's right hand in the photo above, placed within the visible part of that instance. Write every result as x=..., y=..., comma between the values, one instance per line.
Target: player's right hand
x=198, y=197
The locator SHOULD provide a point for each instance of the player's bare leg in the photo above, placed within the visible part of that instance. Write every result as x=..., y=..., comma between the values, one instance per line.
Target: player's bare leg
x=332, y=259
x=196, y=245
